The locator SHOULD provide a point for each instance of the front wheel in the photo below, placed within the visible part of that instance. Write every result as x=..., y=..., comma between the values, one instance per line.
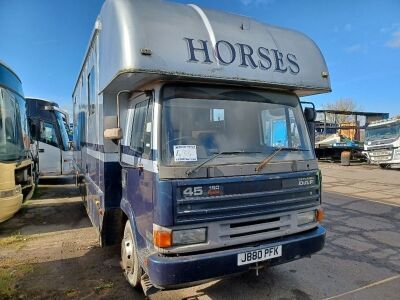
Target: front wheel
x=130, y=263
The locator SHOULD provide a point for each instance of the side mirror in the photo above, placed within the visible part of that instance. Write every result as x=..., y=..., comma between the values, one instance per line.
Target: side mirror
x=113, y=134
x=310, y=114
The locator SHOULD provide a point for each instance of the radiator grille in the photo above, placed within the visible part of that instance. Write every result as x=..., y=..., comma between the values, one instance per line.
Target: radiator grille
x=257, y=198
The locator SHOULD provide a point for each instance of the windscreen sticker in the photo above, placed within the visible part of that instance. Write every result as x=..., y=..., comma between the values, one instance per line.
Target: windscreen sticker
x=185, y=153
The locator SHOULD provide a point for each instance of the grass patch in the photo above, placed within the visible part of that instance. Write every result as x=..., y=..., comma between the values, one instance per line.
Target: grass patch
x=71, y=293
x=104, y=285
x=9, y=277
x=14, y=240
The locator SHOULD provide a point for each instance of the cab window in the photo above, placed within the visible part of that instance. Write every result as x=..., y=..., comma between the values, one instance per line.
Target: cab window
x=48, y=134
x=141, y=128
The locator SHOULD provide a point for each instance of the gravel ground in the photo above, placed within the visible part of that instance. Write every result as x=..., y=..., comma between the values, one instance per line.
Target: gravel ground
x=49, y=250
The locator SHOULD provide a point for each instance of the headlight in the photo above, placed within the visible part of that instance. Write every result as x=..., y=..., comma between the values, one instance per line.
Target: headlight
x=397, y=153
x=306, y=217
x=189, y=236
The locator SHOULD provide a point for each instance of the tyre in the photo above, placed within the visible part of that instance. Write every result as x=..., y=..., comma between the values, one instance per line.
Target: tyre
x=129, y=258
x=383, y=166
x=345, y=158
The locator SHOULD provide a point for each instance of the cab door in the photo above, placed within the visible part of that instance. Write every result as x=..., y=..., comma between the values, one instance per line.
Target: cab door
x=49, y=150
x=137, y=158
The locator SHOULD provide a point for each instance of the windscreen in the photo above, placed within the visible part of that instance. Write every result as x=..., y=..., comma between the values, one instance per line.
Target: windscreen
x=388, y=131
x=199, y=122
x=11, y=130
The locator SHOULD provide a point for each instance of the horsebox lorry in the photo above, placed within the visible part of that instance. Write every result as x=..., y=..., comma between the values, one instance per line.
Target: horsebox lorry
x=18, y=173
x=192, y=148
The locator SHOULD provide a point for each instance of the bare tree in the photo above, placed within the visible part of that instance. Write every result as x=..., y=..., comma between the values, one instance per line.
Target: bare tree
x=345, y=104
x=342, y=104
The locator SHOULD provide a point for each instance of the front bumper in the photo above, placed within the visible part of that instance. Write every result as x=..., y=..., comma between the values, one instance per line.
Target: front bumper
x=9, y=206
x=174, y=271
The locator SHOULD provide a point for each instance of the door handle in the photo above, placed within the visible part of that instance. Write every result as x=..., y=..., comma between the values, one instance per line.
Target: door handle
x=41, y=150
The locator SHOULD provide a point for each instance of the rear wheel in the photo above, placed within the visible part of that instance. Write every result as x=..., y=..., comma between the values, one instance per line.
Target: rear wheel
x=130, y=263
x=383, y=166
x=345, y=158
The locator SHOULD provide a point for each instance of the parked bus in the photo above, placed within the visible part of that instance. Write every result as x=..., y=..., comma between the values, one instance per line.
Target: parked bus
x=17, y=161
x=49, y=128
x=192, y=145
x=382, y=143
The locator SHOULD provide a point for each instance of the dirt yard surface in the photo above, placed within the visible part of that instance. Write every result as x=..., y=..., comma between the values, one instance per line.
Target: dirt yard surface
x=49, y=250
x=362, y=181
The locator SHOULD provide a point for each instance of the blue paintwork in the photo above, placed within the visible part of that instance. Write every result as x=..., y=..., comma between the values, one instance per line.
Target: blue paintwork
x=139, y=193
x=169, y=271
x=163, y=202
x=147, y=200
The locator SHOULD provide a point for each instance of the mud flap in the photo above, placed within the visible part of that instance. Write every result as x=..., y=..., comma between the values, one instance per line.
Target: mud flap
x=147, y=286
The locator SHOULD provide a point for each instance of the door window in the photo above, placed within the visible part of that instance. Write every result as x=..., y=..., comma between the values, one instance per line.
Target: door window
x=48, y=134
x=141, y=128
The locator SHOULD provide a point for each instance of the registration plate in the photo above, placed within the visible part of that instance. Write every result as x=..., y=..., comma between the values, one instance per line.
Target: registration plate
x=258, y=255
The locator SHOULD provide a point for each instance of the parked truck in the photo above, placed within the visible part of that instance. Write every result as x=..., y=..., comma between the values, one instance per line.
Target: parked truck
x=17, y=161
x=192, y=148
x=49, y=128
x=382, y=143
x=340, y=134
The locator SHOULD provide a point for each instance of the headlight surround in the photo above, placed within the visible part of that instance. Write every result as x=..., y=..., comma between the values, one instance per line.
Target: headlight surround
x=306, y=217
x=189, y=236
x=396, y=153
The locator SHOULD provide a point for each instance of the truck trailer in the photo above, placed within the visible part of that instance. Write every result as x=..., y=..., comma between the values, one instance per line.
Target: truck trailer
x=17, y=161
x=382, y=143
x=49, y=126
x=191, y=145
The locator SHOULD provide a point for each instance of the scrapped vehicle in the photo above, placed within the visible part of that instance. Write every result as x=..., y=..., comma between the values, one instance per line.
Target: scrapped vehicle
x=340, y=134
x=49, y=128
x=17, y=161
x=191, y=145
x=382, y=143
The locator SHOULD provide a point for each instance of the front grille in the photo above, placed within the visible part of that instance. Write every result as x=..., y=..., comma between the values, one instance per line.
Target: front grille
x=381, y=154
x=257, y=198
x=252, y=229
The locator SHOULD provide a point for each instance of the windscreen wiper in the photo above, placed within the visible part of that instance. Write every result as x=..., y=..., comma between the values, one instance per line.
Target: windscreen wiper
x=195, y=169
x=291, y=149
x=268, y=159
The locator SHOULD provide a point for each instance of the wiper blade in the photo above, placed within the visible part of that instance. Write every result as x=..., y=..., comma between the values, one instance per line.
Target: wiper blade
x=266, y=160
x=291, y=149
x=195, y=169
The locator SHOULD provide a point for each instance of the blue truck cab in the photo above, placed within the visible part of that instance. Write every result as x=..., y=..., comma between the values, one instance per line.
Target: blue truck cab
x=192, y=148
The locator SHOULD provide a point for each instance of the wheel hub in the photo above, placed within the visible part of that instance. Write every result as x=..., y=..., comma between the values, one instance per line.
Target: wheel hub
x=127, y=255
